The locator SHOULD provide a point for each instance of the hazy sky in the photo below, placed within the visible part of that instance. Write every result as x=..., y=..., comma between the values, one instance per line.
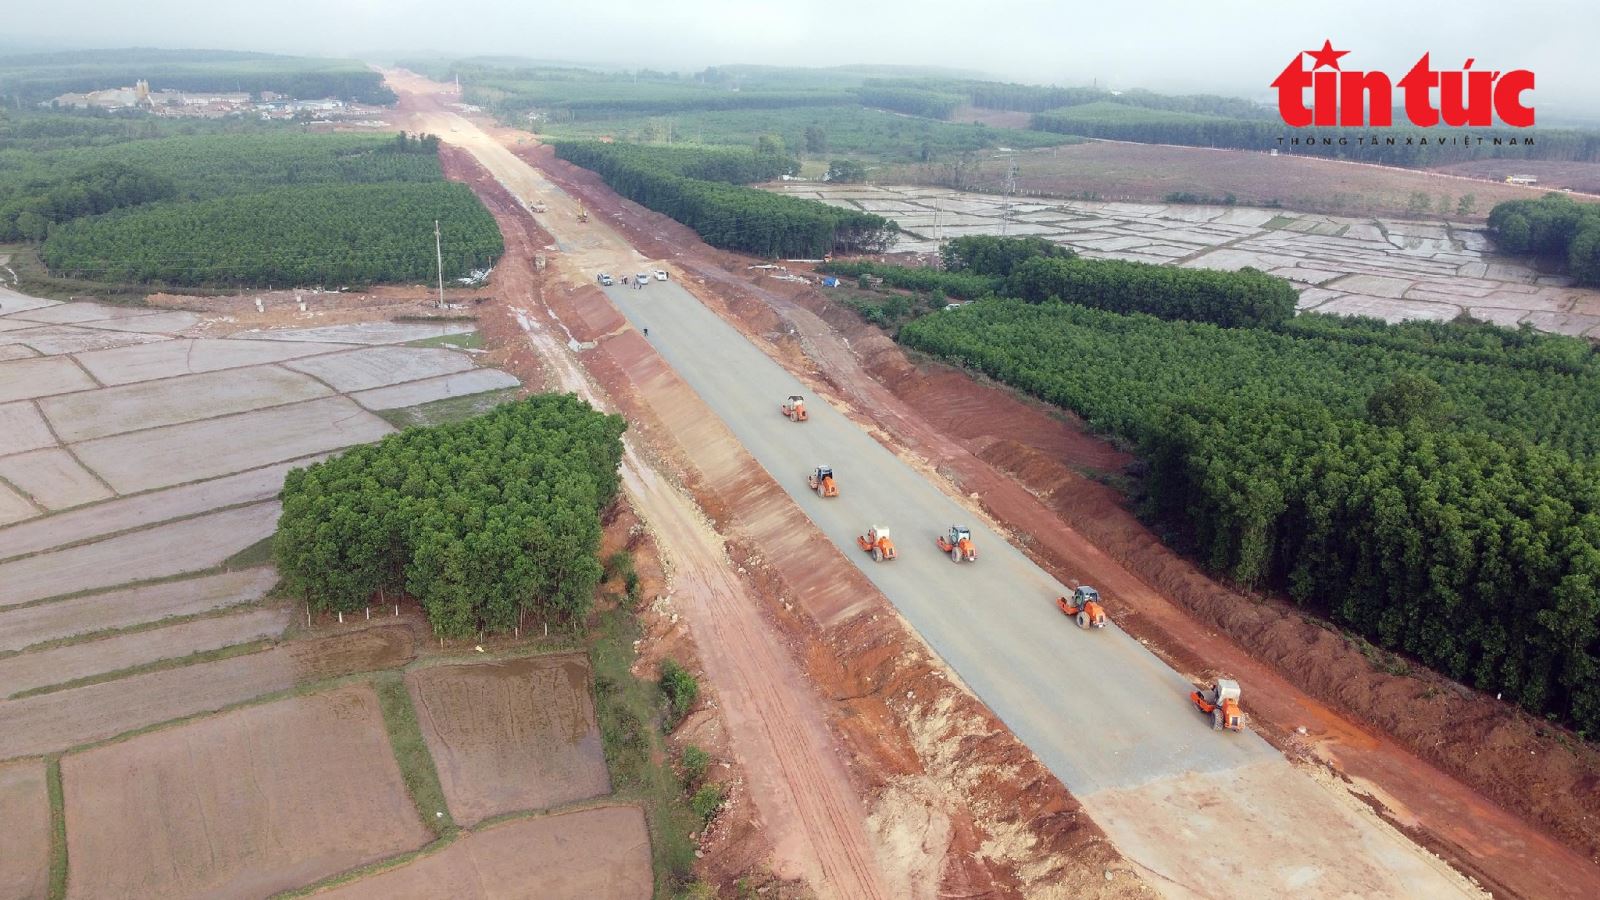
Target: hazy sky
x=1229, y=46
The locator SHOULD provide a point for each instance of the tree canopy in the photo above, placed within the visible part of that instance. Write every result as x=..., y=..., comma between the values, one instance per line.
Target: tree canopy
x=480, y=520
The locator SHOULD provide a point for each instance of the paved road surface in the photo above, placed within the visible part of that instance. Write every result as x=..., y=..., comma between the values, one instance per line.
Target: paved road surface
x=1206, y=813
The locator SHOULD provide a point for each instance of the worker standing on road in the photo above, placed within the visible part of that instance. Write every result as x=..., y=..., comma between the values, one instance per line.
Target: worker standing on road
x=647, y=332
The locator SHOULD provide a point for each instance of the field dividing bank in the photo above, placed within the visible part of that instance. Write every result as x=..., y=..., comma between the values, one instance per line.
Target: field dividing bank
x=601, y=852
x=61, y=720
x=188, y=545
x=162, y=457
x=249, y=803
x=140, y=510
x=63, y=665
x=129, y=607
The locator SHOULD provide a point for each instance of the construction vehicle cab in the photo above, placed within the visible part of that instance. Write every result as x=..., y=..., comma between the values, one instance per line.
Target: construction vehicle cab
x=822, y=482
x=1222, y=703
x=959, y=544
x=1084, y=605
x=876, y=541
x=583, y=215
x=794, y=408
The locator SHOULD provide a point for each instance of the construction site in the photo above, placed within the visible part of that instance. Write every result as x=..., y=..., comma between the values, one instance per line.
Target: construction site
x=939, y=654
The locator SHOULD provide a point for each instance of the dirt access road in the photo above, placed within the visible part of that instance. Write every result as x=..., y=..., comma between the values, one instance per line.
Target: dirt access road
x=778, y=727
x=1251, y=821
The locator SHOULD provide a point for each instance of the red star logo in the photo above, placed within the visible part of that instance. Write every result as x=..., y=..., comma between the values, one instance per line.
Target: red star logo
x=1327, y=56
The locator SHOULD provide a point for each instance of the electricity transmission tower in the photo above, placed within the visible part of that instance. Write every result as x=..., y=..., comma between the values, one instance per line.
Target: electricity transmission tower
x=438, y=253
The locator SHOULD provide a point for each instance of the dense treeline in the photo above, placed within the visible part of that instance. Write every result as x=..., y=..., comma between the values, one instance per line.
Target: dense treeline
x=909, y=100
x=36, y=77
x=1553, y=227
x=728, y=215
x=1234, y=299
x=1407, y=494
x=28, y=211
x=212, y=165
x=1410, y=146
x=960, y=285
x=998, y=257
x=39, y=77
x=481, y=521
x=309, y=235
x=576, y=95
x=852, y=130
x=1039, y=98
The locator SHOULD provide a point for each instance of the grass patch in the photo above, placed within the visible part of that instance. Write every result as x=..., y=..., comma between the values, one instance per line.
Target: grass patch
x=411, y=752
x=203, y=656
x=450, y=409
x=472, y=340
x=257, y=554
x=58, y=828
x=681, y=690
x=706, y=802
x=635, y=750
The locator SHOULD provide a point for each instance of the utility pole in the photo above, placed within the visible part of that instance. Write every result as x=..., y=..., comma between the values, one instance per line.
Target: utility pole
x=438, y=252
x=1011, y=190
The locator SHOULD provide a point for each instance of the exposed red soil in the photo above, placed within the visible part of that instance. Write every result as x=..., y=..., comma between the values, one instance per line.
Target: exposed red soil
x=1358, y=718
x=1552, y=174
x=868, y=655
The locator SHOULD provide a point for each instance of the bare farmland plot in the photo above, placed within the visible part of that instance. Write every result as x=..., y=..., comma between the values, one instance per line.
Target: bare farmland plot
x=53, y=340
x=601, y=852
x=58, y=721
x=189, y=356
x=74, y=313
x=13, y=302
x=170, y=322
x=413, y=393
x=53, y=479
x=145, y=509
x=161, y=457
x=248, y=803
x=22, y=428
x=359, y=370
x=25, y=839
x=27, y=671
x=364, y=333
x=127, y=607
x=513, y=735
x=1389, y=268
x=189, y=545
x=14, y=507
x=25, y=379
x=172, y=401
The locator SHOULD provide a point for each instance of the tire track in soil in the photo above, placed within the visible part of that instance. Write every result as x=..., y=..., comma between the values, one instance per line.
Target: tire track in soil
x=776, y=722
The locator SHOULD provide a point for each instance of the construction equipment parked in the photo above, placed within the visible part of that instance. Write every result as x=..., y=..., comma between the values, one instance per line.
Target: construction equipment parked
x=822, y=482
x=959, y=545
x=1222, y=703
x=794, y=408
x=876, y=541
x=1084, y=605
x=583, y=214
